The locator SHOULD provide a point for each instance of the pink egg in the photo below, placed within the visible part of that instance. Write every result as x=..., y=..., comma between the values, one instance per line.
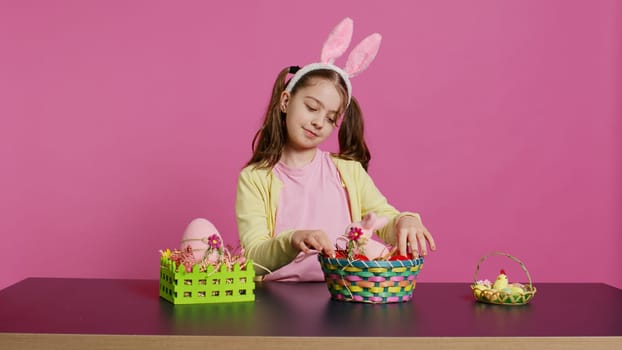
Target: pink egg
x=196, y=236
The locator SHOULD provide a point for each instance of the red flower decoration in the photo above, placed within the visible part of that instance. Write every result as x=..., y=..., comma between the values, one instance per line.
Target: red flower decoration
x=355, y=233
x=214, y=241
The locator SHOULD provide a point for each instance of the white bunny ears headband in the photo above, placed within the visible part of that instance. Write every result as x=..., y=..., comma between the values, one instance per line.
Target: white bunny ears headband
x=336, y=44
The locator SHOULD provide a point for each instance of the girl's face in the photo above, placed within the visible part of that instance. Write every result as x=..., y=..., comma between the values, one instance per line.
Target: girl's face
x=311, y=113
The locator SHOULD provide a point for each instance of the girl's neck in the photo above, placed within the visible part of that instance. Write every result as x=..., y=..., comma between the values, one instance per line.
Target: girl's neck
x=294, y=158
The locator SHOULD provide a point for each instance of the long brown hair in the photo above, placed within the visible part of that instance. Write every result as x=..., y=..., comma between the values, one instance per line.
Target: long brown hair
x=270, y=140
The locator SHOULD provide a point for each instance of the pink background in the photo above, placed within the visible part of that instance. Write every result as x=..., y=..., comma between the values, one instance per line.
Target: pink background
x=499, y=121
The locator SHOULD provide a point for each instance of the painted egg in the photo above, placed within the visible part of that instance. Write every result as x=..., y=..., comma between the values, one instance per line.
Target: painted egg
x=196, y=236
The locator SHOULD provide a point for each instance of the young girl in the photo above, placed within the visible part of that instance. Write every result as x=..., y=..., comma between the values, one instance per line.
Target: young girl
x=294, y=199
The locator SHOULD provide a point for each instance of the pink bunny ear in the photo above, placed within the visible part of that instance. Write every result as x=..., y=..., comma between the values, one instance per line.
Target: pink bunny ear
x=338, y=41
x=372, y=222
x=380, y=222
x=363, y=54
x=367, y=222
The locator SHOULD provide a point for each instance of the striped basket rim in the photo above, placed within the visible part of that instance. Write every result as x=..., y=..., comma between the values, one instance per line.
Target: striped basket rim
x=370, y=263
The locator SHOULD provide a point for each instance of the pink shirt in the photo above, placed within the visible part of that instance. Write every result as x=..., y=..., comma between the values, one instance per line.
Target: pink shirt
x=312, y=198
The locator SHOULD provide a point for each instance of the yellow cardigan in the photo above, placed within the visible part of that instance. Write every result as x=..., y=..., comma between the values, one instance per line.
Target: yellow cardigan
x=257, y=199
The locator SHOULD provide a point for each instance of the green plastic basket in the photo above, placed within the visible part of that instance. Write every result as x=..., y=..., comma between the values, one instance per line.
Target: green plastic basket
x=375, y=281
x=212, y=286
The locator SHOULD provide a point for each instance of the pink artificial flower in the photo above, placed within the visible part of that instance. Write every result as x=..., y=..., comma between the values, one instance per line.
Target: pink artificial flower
x=355, y=233
x=214, y=241
x=188, y=265
x=183, y=257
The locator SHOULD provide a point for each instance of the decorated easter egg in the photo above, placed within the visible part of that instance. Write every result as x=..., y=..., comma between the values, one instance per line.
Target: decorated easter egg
x=515, y=289
x=200, y=235
x=478, y=289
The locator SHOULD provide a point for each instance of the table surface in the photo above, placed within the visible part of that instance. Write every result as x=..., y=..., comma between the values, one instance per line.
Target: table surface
x=123, y=307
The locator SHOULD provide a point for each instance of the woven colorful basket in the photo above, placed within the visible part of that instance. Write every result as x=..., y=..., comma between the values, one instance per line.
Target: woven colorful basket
x=501, y=297
x=376, y=281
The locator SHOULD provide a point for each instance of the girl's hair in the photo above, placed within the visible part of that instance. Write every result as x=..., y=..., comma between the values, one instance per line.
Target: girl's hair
x=269, y=141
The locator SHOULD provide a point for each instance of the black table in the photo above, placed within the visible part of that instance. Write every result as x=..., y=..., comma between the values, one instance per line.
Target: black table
x=60, y=313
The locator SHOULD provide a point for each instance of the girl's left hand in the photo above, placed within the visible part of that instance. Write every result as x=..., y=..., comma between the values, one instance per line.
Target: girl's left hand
x=412, y=234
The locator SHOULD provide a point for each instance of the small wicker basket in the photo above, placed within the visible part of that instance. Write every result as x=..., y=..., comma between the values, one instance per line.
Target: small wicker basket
x=375, y=281
x=492, y=296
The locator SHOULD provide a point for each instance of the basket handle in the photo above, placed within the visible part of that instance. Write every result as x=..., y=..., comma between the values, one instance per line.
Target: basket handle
x=506, y=255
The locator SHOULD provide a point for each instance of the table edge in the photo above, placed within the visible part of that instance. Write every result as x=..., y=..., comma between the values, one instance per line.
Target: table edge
x=19, y=341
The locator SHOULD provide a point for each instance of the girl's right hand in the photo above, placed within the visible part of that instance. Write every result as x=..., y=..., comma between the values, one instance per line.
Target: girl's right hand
x=307, y=240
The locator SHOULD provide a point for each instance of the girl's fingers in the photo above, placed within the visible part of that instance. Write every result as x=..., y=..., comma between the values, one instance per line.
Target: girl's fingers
x=319, y=241
x=416, y=237
x=402, y=241
x=428, y=236
x=303, y=246
x=421, y=240
x=313, y=243
x=327, y=246
x=414, y=249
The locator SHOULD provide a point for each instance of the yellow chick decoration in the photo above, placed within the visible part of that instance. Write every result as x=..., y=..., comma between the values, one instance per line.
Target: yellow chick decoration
x=501, y=282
